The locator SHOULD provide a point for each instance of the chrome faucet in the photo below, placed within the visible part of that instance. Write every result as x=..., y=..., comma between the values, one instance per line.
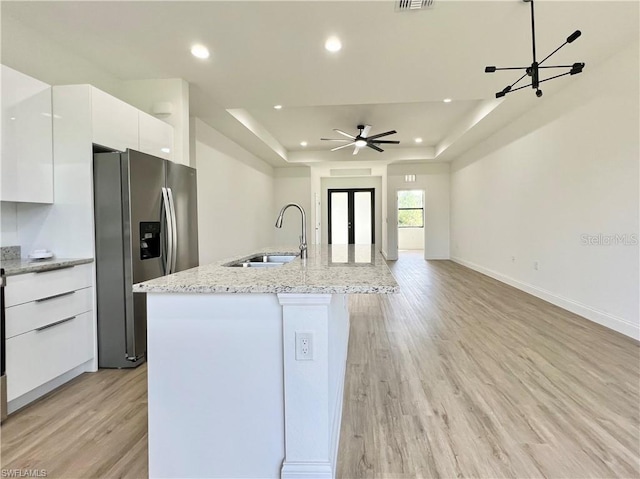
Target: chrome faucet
x=303, y=238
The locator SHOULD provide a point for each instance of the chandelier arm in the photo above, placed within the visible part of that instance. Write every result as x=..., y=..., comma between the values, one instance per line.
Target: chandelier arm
x=519, y=88
x=558, y=66
x=517, y=81
x=554, y=77
x=541, y=81
x=545, y=58
x=511, y=68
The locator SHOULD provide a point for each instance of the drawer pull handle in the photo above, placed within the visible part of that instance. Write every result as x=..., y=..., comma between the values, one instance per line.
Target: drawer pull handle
x=55, y=324
x=54, y=296
x=57, y=268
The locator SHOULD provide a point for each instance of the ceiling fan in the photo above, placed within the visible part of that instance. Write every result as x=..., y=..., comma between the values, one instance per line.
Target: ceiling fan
x=363, y=139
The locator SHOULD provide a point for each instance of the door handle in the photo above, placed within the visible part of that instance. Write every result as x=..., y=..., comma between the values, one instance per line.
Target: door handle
x=174, y=231
x=169, y=230
x=42, y=328
x=54, y=296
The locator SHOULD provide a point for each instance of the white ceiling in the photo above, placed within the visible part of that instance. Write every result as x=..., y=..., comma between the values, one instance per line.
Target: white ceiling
x=427, y=120
x=393, y=71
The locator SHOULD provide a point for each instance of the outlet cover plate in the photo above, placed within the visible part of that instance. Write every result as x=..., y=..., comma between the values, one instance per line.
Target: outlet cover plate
x=304, y=346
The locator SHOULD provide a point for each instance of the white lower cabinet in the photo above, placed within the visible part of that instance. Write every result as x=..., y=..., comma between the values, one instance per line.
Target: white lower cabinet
x=49, y=328
x=36, y=357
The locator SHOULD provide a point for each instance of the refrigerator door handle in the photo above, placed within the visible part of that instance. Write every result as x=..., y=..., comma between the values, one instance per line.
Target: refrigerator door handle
x=174, y=230
x=170, y=234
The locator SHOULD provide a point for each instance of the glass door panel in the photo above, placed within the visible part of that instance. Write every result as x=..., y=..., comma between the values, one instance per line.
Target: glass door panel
x=362, y=217
x=339, y=215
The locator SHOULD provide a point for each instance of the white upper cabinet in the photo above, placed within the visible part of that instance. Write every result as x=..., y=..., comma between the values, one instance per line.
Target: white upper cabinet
x=27, y=144
x=115, y=123
x=156, y=136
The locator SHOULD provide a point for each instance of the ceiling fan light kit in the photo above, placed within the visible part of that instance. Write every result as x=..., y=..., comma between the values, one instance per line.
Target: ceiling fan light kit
x=533, y=70
x=362, y=139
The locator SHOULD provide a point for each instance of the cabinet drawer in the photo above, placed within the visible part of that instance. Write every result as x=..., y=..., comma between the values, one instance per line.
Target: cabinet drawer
x=37, y=357
x=23, y=288
x=36, y=314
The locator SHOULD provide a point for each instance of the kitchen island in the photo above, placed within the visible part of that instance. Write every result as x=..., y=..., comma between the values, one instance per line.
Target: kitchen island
x=246, y=365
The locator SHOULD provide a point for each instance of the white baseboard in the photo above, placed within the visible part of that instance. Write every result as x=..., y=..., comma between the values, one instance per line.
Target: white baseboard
x=28, y=398
x=384, y=253
x=437, y=258
x=306, y=470
x=605, y=319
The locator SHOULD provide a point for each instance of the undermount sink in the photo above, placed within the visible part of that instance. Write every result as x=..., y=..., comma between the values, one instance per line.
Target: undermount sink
x=273, y=258
x=264, y=261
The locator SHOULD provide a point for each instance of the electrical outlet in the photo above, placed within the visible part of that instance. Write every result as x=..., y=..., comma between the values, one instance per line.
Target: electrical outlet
x=536, y=265
x=304, y=346
x=513, y=259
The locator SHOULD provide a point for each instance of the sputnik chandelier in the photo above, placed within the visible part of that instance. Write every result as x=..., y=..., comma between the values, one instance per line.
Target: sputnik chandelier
x=533, y=71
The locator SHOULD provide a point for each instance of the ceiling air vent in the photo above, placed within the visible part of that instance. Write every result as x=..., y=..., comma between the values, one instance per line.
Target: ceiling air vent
x=407, y=5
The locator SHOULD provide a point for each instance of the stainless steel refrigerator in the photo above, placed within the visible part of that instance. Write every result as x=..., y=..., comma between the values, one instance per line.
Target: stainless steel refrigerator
x=146, y=225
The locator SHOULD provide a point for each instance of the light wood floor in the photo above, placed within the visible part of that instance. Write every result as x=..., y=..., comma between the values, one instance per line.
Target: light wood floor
x=462, y=376
x=92, y=427
x=456, y=376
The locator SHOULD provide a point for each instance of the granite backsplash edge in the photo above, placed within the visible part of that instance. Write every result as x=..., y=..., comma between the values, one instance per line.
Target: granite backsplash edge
x=10, y=252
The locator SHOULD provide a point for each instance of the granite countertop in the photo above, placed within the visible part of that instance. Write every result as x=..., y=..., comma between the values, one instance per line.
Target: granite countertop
x=21, y=265
x=337, y=269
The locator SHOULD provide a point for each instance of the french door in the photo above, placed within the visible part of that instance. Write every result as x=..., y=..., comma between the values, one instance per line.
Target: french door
x=351, y=216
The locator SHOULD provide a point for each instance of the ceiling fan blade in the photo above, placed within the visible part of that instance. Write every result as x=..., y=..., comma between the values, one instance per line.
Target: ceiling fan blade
x=389, y=142
x=365, y=132
x=343, y=146
x=344, y=134
x=371, y=145
x=356, y=150
x=373, y=137
x=333, y=139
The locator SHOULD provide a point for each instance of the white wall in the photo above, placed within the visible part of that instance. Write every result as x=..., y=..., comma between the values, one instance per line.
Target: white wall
x=144, y=94
x=9, y=224
x=410, y=238
x=434, y=179
x=567, y=169
x=291, y=185
x=235, y=196
x=356, y=182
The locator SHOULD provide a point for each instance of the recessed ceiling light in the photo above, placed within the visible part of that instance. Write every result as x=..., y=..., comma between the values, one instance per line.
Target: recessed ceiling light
x=200, y=51
x=447, y=100
x=165, y=150
x=278, y=107
x=418, y=140
x=333, y=44
x=303, y=143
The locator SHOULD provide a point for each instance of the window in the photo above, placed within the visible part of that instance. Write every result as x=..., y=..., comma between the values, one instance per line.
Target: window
x=410, y=209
